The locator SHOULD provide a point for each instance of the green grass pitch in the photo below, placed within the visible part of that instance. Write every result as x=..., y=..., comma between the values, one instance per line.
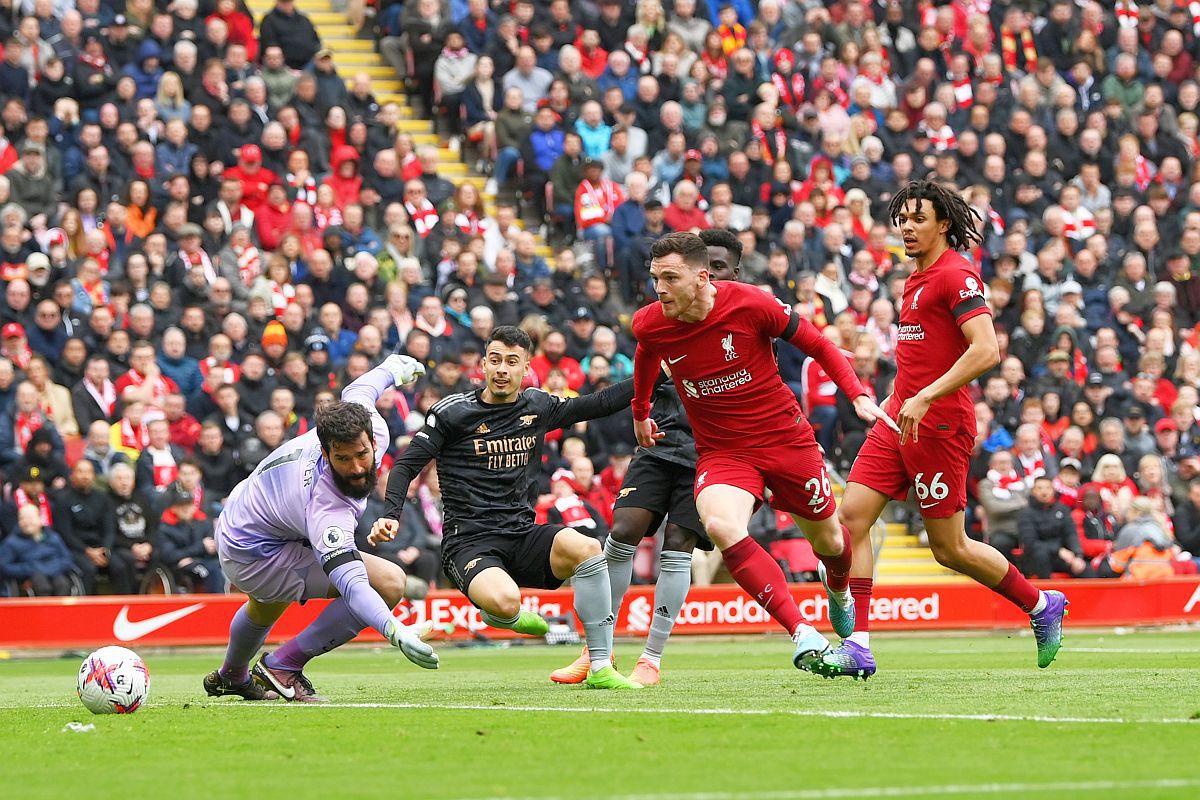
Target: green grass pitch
x=950, y=716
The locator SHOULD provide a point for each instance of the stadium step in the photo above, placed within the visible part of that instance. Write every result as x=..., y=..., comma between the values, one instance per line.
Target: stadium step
x=353, y=54
x=339, y=46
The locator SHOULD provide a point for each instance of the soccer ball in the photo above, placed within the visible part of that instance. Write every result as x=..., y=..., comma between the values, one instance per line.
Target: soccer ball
x=113, y=680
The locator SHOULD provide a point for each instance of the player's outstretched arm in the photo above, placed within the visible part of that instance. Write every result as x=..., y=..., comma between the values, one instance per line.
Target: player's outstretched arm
x=982, y=354
x=331, y=524
x=425, y=446
x=590, y=406
x=804, y=335
x=394, y=371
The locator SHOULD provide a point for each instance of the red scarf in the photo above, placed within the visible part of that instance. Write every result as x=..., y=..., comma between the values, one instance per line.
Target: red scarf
x=423, y=217
x=770, y=154
x=22, y=499
x=964, y=94
x=1067, y=495
x=1004, y=484
x=1127, y=13
x=200, y=259
x=834, y=88
x=470, y=223
x=942, y=139
x=282, y=296
x=306, y=189
x=249, y=265
x=791, y=90
x=105, y=396
x=1034, y=467
x=1079, y=225
x=131, y=439
x=165, y=468
x=95, y=62
x=1008, y=46
x=25, y=425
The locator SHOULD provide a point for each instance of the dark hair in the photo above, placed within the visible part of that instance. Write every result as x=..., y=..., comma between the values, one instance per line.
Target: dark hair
x=343, y=422
x=947, y=205
x=510, y=336
x=689, y=245
x=719, y=237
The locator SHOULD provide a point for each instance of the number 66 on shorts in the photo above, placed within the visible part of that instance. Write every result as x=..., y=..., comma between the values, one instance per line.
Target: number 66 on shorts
x=935, y=469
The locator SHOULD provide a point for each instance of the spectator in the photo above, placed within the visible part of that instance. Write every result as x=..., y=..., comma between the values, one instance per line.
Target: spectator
x=34, y=555
x=86, y=523
x=596, y=200
x=1047, y=534
x=133, y=549
x=187, y=544
x=1003, y=495
x=291, y=31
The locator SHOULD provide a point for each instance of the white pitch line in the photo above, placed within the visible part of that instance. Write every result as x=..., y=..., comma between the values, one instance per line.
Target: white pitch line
x=733, y=712
x=900, y=791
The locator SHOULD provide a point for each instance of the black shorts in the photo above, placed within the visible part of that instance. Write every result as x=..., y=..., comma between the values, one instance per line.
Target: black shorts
x=666, y=490
x=524, y=555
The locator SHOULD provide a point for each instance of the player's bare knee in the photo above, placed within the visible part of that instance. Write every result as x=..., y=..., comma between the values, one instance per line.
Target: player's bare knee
x=625, y=533
x=724, y=531
x=587, y=548
x=505, y=605
x=952, y=555
x=680, y=540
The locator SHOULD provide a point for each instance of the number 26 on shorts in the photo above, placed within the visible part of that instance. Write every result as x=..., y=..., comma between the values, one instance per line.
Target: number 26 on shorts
x=934, y=490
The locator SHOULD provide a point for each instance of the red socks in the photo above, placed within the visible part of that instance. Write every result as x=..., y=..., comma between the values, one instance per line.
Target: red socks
x=1017, y=590
x=837, y=568
x=757, y=573
x=861, y=588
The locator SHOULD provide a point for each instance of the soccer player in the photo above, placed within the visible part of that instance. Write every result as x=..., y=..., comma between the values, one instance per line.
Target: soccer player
x=716, y=339
x=659, y=486
x=287, y=535
x=488, y=445
x=946, y=341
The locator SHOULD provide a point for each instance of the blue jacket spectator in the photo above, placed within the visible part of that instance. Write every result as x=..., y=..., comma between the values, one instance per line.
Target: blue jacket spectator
x=547, y=146
x=595, y=138
x=147, y=69
x=627, y=222
x=36, y=554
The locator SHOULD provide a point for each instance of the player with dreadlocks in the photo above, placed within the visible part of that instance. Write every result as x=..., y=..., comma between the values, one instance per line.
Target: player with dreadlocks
x=946, y=341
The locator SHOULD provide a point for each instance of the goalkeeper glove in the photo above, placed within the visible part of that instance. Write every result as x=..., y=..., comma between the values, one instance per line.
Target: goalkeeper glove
x=410, y=641
x=404, y=369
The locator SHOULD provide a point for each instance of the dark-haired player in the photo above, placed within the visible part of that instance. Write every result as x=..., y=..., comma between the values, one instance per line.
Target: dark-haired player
x=717, y=339
x=659, y=486
x=287, y=534
x=946, y=341
x=488, y=446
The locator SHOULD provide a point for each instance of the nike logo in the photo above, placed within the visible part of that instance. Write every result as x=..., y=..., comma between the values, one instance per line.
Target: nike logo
x=676, y=360
x=127, y=631
x=286, y=692
x=929, y=505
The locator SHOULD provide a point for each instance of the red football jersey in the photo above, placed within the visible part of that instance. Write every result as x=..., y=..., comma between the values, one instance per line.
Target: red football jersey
x=725, y=368
x=936, y=302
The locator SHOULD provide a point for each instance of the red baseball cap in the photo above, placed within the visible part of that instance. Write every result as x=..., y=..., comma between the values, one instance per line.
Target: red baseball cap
x=1165, y=424
x=12, y=330
x=250, y=152
x=693, y=154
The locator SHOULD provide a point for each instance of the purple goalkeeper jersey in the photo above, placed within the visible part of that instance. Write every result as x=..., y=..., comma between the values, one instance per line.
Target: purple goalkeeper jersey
x=291, y=497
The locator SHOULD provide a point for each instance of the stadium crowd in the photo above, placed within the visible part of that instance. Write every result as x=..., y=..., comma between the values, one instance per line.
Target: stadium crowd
x=204, y=234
